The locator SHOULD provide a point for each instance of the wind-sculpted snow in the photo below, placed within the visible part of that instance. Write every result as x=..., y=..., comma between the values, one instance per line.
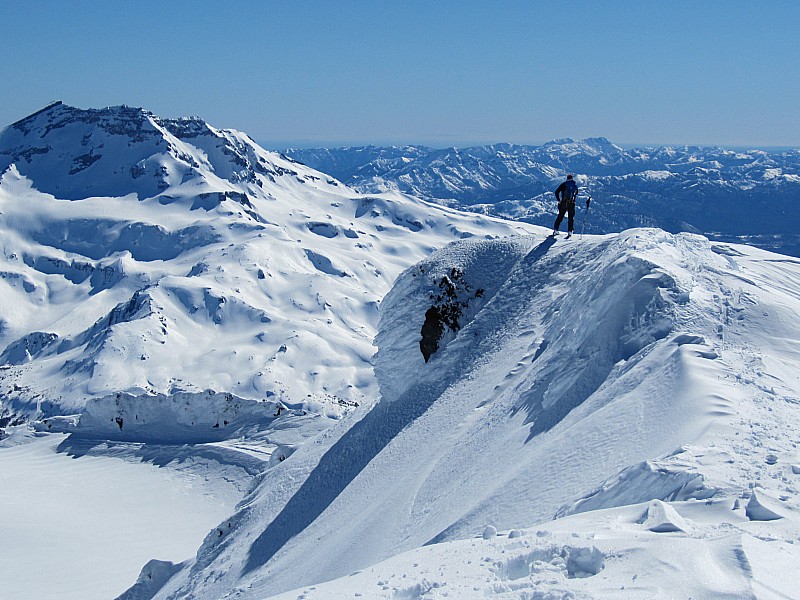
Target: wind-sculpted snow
x=564, y=386
x=98, y=239
x=585, y=324
x=181, y=418
x=485, y=266
x=640, y=483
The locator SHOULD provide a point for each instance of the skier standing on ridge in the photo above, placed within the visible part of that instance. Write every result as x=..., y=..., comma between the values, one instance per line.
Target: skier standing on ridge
x=566, y=194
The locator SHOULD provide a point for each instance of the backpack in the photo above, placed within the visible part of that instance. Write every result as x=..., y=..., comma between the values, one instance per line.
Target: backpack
x=570, y=191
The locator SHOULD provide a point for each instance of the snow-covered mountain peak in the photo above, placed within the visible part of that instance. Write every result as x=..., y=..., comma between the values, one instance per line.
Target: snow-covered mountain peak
x=254, y=275
x=604, y=145
x=75, y=153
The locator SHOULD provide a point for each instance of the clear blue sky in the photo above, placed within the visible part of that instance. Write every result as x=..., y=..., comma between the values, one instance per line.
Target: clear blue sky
x=444, y=73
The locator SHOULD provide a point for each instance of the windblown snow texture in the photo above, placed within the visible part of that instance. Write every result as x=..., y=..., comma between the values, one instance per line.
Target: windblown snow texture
x=565, y=388
x=183, y=259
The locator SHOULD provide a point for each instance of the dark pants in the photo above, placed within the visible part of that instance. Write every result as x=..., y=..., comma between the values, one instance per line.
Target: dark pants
x=567, y=208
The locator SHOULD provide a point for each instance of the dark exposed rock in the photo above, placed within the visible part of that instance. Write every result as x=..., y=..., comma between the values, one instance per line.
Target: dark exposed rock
x=449, y=306
x=83, y=162
x=432, y=330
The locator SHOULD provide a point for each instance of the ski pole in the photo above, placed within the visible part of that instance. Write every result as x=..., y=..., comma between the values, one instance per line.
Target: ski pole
x=585, y=215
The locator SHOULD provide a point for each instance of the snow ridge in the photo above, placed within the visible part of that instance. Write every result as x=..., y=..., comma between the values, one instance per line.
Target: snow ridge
x=582, y=362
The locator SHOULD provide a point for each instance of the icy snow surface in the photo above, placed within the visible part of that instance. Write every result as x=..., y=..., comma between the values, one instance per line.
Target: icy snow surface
x=82, y=529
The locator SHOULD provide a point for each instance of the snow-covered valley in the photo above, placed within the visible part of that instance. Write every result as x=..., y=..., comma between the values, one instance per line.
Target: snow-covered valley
x=80, y=522
x=378, y=396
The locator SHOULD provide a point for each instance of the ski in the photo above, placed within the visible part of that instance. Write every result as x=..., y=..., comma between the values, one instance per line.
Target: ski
x=586, y=214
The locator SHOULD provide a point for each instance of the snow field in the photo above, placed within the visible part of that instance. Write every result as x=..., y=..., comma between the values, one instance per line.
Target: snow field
x=697, y=549
x=222, y=299
x=82, y=527
x=616, y=358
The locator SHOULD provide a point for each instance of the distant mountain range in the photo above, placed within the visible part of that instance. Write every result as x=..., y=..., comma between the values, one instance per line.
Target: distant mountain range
x=744, y=195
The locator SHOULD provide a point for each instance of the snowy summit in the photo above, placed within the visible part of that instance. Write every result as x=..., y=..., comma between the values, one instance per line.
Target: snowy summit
x=407, y=401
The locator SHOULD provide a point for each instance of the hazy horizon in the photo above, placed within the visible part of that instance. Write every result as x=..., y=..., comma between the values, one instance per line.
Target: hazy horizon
x=279, y=145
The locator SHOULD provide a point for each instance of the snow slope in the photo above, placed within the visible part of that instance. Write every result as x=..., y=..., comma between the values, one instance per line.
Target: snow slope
x=612, y=553
x=184, y=259
x=583, y=376
x=172, y=293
